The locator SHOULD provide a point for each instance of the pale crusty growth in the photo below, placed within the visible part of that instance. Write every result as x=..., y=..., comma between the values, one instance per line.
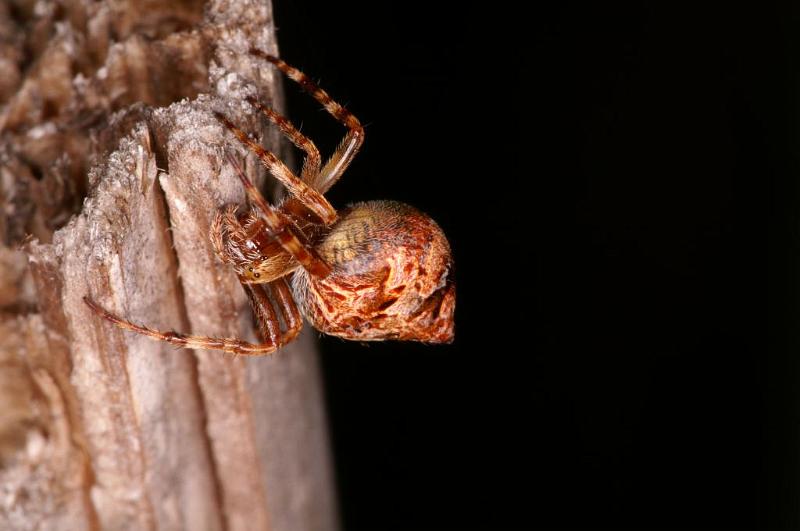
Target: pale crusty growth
x=111, y=160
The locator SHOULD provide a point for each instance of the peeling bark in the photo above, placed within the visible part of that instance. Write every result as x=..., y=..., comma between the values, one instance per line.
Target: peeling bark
x=110, y=173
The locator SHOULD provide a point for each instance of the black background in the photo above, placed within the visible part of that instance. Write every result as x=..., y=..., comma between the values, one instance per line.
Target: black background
x=618, y=183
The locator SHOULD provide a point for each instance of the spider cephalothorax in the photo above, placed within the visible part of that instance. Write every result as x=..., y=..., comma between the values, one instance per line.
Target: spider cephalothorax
x=375, y=270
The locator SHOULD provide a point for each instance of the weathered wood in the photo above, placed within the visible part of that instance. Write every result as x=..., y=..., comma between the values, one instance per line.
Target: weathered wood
x=104, y=429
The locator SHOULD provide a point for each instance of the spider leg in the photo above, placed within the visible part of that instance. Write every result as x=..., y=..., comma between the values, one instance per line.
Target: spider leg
x=284, y=231
x=264, y=312
x=352, y=141
x=268, y=324
x=312, y=160
x=289, y=310
x=307, y=195
x=260, y=296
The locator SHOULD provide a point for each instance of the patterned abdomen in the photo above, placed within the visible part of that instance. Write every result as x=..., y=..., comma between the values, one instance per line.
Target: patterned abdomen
x=391, y=277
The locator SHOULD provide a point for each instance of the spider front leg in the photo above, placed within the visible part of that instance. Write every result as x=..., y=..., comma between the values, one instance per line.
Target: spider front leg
x=284, y=231
x=308, y=196
x=350, y=144
x=312, y=159
x=261, y=298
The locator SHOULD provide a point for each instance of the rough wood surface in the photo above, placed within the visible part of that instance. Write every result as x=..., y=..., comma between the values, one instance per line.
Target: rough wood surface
x=103, y=429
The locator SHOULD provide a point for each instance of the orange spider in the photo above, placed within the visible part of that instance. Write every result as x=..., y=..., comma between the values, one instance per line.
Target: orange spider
x=373, y=271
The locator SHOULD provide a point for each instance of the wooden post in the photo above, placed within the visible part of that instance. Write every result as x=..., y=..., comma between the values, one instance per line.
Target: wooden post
x=104, y=429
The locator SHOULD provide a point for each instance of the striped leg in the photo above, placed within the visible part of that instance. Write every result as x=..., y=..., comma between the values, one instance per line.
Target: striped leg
x=266, y=318
x=291, y=239
x=268, y=323
x=307, y=195
x=291, y=315
x=352, y=141
x=261, y=297
x=313, y=160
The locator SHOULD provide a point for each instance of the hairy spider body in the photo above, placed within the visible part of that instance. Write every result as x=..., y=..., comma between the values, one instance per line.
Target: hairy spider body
x=391, y=277
x=373, y=271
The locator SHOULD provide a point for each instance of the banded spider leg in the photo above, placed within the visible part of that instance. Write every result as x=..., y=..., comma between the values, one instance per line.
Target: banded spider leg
x=269, y=325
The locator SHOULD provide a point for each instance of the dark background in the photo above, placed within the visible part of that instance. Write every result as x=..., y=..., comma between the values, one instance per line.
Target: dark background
x=619, y=185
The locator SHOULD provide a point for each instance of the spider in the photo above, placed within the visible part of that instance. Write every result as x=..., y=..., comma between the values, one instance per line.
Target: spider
x=373, y=271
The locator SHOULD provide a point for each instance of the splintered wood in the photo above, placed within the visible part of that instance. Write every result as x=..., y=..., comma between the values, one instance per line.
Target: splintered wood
x=110, y=173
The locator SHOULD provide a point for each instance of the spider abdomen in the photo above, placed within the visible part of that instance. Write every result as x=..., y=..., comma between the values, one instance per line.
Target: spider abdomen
x=391, y=276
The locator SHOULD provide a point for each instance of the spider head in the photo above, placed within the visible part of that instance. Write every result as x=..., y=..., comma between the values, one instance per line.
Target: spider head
x=392, y=277
x=239, y=240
